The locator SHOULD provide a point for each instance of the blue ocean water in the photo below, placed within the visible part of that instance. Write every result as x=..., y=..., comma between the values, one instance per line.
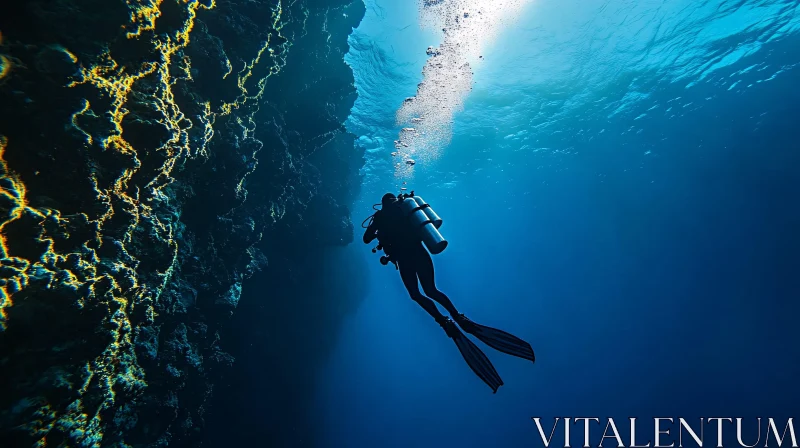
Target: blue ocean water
x=620, y=189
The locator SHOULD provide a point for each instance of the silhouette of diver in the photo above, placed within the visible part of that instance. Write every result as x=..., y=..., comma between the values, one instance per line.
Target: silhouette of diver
x=404, y=248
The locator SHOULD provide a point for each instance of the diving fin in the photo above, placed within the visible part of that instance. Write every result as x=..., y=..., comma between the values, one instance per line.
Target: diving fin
x=497, y=339
x=475, y=358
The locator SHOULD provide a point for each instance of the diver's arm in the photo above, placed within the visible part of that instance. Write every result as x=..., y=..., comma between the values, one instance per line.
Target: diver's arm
x=370, y=234
x=372, y=229
x=368, y=237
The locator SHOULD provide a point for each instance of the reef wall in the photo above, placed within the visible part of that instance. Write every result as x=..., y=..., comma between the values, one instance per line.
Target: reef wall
x=155, y=154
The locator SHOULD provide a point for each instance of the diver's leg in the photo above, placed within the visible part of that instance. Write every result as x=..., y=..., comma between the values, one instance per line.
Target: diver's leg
x=409, y=275
x=426, y=279
x=473, y=355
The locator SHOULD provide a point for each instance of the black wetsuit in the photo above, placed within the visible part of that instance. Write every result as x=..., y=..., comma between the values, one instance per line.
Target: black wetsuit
x=402, y=246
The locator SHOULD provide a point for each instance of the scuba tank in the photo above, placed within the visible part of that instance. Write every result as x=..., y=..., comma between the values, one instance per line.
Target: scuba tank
x=425, y=221
x=435, y=219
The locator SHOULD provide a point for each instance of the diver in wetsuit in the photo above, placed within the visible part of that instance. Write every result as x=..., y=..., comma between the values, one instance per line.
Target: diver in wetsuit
x=404, y=248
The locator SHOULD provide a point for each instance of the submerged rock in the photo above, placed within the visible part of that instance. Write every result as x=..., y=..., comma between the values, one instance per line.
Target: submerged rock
x=154, y=157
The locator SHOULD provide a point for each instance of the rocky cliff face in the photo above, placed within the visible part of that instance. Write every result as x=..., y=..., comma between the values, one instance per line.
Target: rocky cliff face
x=154, y=155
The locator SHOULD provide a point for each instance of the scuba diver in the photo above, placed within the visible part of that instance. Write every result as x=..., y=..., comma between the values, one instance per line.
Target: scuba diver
x=401, y=226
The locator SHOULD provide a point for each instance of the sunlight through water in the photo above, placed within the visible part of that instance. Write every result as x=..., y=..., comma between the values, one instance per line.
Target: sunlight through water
x=468, y=27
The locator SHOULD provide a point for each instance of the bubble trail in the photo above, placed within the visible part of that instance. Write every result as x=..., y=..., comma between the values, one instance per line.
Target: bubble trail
x=469, y=27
